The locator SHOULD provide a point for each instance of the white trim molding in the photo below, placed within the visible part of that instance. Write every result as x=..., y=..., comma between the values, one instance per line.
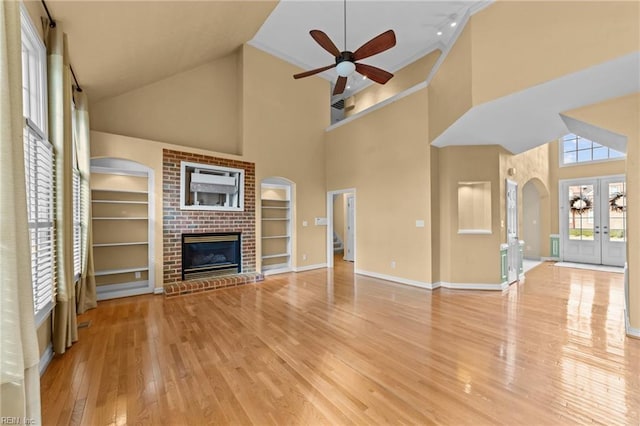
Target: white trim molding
x=268, y=272
x=310, y=267
x=395, y=279
x=631, y=332
x=45, y=359
x=473, y=286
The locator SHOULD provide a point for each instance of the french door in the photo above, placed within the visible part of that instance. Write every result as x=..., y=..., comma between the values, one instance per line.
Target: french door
x=593, y=220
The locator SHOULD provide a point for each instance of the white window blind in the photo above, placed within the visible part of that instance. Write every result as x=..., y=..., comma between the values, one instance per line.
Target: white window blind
x=77, y=227
x=39, y=180
x=39, y=167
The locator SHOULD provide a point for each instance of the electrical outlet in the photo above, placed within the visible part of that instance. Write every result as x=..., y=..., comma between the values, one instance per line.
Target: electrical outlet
x=137, y=274
x=304, y=257
x=393, y=264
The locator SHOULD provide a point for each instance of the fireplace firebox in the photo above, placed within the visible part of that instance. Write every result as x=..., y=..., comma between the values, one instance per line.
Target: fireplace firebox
x=211, y=254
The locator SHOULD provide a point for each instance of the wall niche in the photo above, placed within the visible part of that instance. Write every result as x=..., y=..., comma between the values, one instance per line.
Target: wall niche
x=474, y=207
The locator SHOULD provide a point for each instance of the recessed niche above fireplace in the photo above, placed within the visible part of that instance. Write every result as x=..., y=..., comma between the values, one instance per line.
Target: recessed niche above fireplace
x=208, y=187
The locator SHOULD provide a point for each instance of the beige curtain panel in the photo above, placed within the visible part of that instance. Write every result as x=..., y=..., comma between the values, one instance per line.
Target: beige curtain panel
x=86, y=288
x=65, y=329
x=19, y=355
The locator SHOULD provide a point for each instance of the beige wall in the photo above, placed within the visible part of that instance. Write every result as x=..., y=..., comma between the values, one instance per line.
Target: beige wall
x=197, y=108
x=622, y=116
x=450, y=88
x=284, y=123
x=403, y=79
x=467, y=258
x=518, y=44
x=530, y=166
x=384, y=155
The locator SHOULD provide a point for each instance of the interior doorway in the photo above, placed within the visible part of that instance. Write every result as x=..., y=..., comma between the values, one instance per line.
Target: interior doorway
x=531, y=221
x=341, y=226
x=593, y=220
x=513, y=251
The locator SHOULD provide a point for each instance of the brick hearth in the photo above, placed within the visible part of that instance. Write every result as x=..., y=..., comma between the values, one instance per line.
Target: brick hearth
x=175, y=222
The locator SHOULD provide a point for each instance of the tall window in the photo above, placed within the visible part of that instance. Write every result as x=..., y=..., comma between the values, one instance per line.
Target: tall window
x=576, y=149
x=77, y=205
x=38, y=153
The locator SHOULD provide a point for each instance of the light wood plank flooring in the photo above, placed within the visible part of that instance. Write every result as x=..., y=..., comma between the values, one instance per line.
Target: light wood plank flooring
x=325, y=347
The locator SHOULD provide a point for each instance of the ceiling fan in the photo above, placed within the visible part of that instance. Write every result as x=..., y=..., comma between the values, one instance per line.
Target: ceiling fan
x=346, y=60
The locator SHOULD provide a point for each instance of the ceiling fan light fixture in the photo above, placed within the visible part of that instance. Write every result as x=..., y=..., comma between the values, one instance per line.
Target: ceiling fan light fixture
x=345, y=68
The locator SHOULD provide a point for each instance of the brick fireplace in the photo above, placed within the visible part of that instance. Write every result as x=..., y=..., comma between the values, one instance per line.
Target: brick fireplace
x=176, y=222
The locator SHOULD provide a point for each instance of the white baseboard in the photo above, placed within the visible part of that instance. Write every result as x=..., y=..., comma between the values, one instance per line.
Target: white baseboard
x=406, y=281
x=631, y=332
x=158, y=290
x=45, y=359
x=310, y=267
x=276, y=271
x=473, y=286
x=550, y=259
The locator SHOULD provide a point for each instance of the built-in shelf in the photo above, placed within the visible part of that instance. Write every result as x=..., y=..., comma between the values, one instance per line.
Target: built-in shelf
x=122, y=197
x=120, y=271
x=273, y=256
x=135, y=243
x=276, y=237
x=119, y=202
x=120, y=218
x=130, y=191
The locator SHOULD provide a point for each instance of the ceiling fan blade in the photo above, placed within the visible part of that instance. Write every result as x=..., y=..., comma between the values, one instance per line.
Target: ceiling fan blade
x=340, y=85
x=378, y=44
x=312, y=72
x=323, y=40
x=376, y=74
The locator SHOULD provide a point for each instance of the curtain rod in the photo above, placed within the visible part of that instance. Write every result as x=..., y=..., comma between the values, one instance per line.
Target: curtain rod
x=52, y=24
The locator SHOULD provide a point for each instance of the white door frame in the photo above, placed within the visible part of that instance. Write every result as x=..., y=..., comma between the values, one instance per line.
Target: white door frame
x=513, y=240
x=330, y=195
x=598, y=202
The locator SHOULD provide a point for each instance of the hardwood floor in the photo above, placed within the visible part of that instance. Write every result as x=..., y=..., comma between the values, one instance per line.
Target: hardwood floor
x=325, y=347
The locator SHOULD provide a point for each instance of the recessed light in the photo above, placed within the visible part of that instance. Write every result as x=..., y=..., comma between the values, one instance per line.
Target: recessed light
x=364, y=77
x=348, y=87
x=439, y=33
x=453, y=24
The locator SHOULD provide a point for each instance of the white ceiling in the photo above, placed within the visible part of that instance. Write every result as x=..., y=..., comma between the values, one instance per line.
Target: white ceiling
x=285, y=33
x=532, y=117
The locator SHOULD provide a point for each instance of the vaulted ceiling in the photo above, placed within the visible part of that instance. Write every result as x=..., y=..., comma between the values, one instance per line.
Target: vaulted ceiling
x=117, y=46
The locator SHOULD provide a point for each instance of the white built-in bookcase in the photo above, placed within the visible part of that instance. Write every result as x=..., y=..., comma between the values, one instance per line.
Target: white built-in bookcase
x=122, y=224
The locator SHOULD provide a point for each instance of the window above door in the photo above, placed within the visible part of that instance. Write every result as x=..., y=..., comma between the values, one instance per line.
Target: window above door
x=578, y=150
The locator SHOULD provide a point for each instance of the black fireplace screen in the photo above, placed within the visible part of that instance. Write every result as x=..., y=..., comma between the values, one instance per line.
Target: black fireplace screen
x=210, y=254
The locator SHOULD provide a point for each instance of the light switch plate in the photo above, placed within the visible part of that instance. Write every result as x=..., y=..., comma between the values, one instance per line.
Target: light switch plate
x=419, y=223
